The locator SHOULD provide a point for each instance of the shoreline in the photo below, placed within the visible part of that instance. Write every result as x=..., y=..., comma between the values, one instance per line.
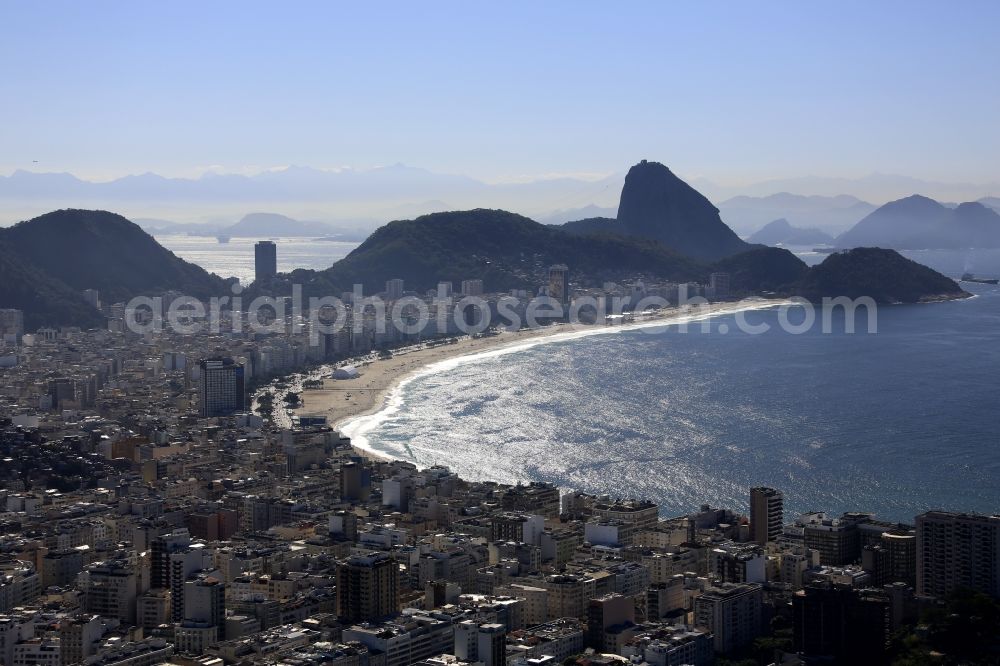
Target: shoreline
x=350, y=404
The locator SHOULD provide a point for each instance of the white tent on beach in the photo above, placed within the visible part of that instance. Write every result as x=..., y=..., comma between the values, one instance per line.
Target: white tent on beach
x=346, y=372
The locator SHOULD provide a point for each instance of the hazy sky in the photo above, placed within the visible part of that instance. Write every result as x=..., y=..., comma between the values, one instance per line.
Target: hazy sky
x=732, y=91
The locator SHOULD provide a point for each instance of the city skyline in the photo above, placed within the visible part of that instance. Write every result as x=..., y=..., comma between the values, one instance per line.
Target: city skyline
x=533, y=334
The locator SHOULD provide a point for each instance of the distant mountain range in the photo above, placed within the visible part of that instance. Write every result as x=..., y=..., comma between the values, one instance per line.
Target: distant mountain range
x=913, y=223
x=585, y=213
x=290, y=184
x=346, y=198
x=832, y=215
x=353, y=198
x=272, y=224
x=917, y=222
x=255, y=225
x=781, y=232
x=874, y=187
x=665, y=229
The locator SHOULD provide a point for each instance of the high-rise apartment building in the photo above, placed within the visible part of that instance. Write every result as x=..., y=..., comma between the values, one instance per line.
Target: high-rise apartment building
x=355, y=481
x=492, y=644
x=666, y=599
x=11, y=322
x=205, y=602
x=161, y=547
x=557, y=282
x=223, y=389
x=472, y=287
x=642, y=515
x=957, y=550
x=367, y=588
x=79, y=636
x=109, y=589
x=265, y=260
x=520, y=527
x=837, y=540
x=840, y=625
x=394, y=289
x=604, y=615
x=893, y=559
x=482, y=643
x=185, y=565
x=93, y=297
x=732, y=612
x=719, y=284
x=766, y=514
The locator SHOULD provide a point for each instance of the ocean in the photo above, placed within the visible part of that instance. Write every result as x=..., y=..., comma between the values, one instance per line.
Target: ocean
x=895, y=422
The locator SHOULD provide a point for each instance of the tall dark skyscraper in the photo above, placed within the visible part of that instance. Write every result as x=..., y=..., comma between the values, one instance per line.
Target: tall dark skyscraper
x=839, y=625
x=265, y=260
x=557, y=282
x=957, y=551
x=223, y=389
x=161, y=548
x=367, y=588
x=766, y=514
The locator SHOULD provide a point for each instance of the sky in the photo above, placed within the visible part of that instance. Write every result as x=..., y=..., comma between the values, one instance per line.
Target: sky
x=732, y=92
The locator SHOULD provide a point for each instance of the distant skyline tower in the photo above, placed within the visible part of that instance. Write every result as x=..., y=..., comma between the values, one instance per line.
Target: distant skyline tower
x=557, y=282
x=766, y=513
x=93, y=297
x=719, y=283
x=472, y=287
x=223, y=390
x=265, y=264
x=11, y=322
x=394, y=289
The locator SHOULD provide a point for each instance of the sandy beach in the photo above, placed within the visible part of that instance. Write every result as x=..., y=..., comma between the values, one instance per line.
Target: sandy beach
x=343, y=399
